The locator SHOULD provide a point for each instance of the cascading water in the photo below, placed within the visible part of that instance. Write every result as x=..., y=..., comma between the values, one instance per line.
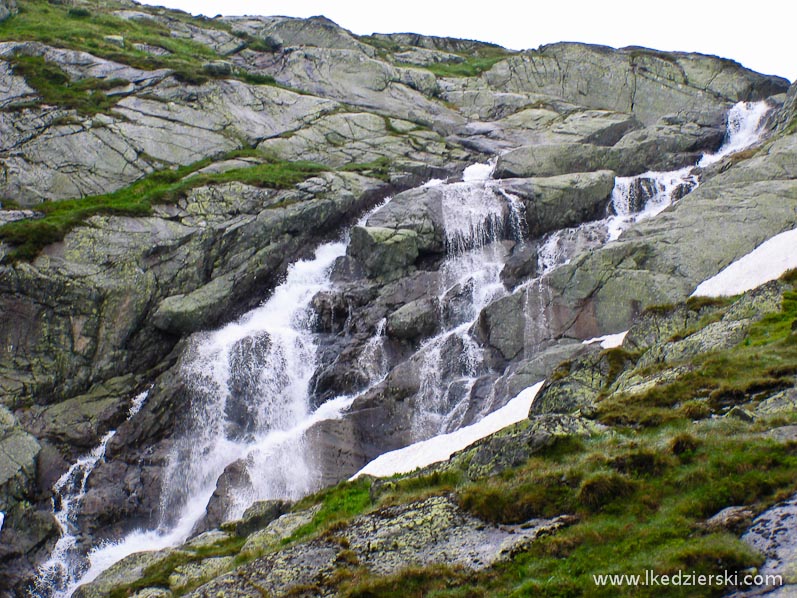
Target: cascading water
x=249, y=384
x=476, y=214
x=59, y=575
x=644, y=196
x=250, y=380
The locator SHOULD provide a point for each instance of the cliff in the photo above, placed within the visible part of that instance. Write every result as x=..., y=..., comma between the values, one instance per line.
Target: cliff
x=161, y=174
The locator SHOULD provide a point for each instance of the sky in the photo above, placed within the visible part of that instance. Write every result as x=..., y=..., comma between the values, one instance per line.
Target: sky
x=761, y=39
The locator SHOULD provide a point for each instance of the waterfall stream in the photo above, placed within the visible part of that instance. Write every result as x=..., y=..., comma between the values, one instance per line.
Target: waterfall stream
x=59, y=575
x=250, y=380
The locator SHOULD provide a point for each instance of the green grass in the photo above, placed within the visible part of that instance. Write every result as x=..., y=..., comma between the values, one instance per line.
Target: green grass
x=52, y=24
x=378, y=169
x=471, y=67
x=637, y=509
x=765, y=362
x=157, y=575
x=85, y=29
x=28, y=237
x=86, y=96
x=338, y=504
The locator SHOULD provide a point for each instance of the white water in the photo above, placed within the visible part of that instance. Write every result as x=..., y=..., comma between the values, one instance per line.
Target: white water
x=744, y=124
x=646, y=195
x=476, y=214
x=249, y=383
x=59, y=575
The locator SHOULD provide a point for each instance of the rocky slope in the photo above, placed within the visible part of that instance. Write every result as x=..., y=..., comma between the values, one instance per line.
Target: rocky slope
x=159, y=180
x=655, y=455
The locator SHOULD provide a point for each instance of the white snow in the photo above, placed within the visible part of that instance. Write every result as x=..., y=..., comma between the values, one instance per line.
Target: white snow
x=440, y=448
x=766, y=262
x=608, y=341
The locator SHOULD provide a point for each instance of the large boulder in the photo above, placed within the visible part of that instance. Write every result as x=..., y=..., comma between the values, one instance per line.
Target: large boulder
x=385, y=252
x=660, y=147
x=562, y=201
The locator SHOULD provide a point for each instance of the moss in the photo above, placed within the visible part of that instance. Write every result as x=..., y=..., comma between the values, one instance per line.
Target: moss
x=76, y=28
x=55, y=87
x=28, y=237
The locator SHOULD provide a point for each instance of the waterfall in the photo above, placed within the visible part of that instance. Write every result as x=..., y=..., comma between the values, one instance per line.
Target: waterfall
x=646, y=195
x=249, y=387
x=249, y=381
x=59, y=575
x=477, y=212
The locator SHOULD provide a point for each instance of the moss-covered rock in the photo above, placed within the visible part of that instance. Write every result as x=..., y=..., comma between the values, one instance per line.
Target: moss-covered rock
x=385, y=253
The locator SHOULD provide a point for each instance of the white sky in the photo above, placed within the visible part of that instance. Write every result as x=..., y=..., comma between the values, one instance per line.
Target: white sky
x=760, y=35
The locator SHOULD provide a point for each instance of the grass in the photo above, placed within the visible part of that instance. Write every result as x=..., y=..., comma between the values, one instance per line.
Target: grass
x=638, y=497
x=52, y=24
x=338, y=504
x=378, y=169
x=638, y=508
x=86, y=96
x=471, y=67
x=157, y=575
x=85, y=29
x=29, y=237
x=764, y=362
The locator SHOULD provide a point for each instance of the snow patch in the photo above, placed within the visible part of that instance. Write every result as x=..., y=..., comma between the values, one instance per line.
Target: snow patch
x=608, y=341
x=766, y=262
x=440, y=448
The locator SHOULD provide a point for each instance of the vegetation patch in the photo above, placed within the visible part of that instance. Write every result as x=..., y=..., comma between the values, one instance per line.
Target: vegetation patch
x=715, y=381
x=157, y=575
x=87, y=30
x=378, y=169
x=338, y=504
x=86, y=96
x=471, y=67
x=28, y=237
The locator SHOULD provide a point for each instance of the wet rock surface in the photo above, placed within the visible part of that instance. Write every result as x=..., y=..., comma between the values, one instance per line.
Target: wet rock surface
x=111, y=308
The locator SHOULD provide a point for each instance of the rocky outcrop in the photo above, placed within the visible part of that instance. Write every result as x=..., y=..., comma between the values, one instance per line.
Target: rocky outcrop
x=644, y=82
x=384, y=252
x=422, y=533
x=108, y=310
x=7, y=9
x=772, y=534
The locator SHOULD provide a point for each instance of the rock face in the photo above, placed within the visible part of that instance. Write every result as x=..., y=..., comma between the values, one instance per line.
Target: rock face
x=106, y=309
x=772, y=534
